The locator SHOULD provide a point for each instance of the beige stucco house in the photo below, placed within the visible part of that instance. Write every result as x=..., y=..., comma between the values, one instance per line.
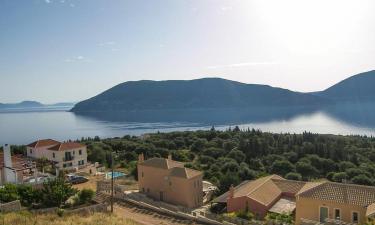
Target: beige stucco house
x=169, y=181
x=65, y=155
x=328, y=201
x=310, y=202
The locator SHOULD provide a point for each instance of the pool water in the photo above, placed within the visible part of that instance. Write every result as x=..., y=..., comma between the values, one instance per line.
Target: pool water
x=108, y=175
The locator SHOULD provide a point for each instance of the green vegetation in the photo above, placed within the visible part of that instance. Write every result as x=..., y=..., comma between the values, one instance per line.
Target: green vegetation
x=229, y=157
x=280, y=218
x=54, y=193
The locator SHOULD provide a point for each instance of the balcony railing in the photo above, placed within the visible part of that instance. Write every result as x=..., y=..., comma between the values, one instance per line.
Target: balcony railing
x=67, y=159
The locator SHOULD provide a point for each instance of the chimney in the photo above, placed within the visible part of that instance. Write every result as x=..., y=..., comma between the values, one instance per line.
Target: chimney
x=141, y=158
x=7, y=156
x=231, y=191
x=169, y=157
x=10, y=173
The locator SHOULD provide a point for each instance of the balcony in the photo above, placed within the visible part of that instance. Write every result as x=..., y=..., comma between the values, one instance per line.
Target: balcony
x=67, y=159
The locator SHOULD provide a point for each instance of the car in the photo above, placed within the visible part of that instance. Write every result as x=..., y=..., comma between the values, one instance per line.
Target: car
x=77, y=179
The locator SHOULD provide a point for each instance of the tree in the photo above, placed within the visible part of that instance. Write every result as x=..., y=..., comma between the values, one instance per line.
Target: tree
x=28, y=195
x=362, y=179
x=306, y=169
x=9, y=193
x=56, y=192
x=293, y=176
x=339, y=177
x=282, y=167
x=237, y=155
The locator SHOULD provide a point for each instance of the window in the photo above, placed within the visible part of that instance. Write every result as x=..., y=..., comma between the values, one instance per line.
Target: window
x=143, y=174
x=355, y=217
x=74, y=152
x=170, y=183
x=337, y=214
x=31, y=151
x=53, y=155
x=80, y=152
x=148, y=190
x=143, y=190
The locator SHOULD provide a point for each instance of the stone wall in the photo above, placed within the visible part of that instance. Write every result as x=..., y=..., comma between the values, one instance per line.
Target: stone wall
x=10, y=206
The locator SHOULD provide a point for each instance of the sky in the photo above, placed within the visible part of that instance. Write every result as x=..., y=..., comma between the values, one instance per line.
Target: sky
x=70, y=50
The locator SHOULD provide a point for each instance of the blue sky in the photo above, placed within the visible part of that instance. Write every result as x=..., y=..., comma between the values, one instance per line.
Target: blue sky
x=70, y=50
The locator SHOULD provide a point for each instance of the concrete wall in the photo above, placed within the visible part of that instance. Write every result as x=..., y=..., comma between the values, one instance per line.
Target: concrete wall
x=307, y=208
x=176, y=190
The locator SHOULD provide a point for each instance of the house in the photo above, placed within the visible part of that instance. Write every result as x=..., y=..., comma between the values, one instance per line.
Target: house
x=328, y=201
x=14, y=169
x=167, y=180
x=267, y=194
x=65, y=155
x=310, y=202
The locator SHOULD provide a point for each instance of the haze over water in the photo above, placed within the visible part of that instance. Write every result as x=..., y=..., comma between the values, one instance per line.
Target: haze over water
x=25, y=127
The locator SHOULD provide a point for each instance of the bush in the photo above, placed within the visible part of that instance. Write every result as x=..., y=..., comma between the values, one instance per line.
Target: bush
x=246, y=215
x=85, y=196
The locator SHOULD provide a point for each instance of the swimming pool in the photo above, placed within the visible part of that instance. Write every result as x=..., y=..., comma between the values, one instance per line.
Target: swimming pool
x=108, y=175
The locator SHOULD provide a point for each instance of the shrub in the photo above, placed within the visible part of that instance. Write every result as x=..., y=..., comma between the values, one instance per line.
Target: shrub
x=85, y=196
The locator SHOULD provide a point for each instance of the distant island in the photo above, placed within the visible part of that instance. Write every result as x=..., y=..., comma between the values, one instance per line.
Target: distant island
x=32, y=105
x=217, y=100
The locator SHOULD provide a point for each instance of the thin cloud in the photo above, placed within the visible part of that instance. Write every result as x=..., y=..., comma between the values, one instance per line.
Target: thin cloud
x=245, y=64
x=78, y=59
x=108, y=43
x=47, y=1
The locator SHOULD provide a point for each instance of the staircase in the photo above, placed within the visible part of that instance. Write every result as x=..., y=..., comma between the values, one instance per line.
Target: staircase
x=101, y=197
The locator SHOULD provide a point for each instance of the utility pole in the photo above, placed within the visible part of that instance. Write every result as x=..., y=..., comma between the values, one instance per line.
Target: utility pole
x=112, y=186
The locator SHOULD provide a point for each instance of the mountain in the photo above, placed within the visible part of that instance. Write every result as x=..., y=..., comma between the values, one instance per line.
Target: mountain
x=206, y=93
x=358, y=88
x=32, y=105
x=24, y=104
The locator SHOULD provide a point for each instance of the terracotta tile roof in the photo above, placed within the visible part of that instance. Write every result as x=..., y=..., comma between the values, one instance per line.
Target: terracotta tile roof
x=66, y=146
x=341, y=193
x=161, y=163
x=18, y=162
x=43, y=143
x=370, y=212
x=177, y=169
x=263, y=190
x=184, y=172
x=289, y=186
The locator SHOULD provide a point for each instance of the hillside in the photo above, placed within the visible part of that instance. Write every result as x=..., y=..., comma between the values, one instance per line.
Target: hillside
x=207, y=93
x=358, y=88
x=24, y=104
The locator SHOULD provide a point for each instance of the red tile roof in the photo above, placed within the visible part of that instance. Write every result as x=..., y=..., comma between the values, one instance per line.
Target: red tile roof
x=43, y=143
x=66, y=146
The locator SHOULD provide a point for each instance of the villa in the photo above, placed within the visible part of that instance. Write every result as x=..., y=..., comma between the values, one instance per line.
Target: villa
x=309, y=202
x=65, y=155
x=169, y=181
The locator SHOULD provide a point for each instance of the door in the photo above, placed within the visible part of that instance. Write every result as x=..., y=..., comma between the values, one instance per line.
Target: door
x=323, y=214
x=161, y=196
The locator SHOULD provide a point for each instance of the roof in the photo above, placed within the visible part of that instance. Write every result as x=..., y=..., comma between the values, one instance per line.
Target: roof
x=43, y=143
x=284, y=205
x=370, y=212
x=289, y=186
x=184, y=172
x=176, y=169
x=262, y=190
x=341, y=193
x=161, y=163
x=66, y=146
x=18, y=162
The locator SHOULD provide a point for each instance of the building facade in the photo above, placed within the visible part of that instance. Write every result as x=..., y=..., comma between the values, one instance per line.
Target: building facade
x=65, y=155
x=309, y=202
x=169, y=181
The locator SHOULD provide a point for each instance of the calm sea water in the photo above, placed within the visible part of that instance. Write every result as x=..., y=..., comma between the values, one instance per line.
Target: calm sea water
x=24, y=127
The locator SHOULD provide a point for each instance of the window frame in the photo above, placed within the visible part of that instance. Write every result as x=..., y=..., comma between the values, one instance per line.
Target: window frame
x=334, y=213
x=352, y=217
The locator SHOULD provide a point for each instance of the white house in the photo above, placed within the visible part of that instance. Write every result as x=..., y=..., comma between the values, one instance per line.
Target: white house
x=65, y=155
